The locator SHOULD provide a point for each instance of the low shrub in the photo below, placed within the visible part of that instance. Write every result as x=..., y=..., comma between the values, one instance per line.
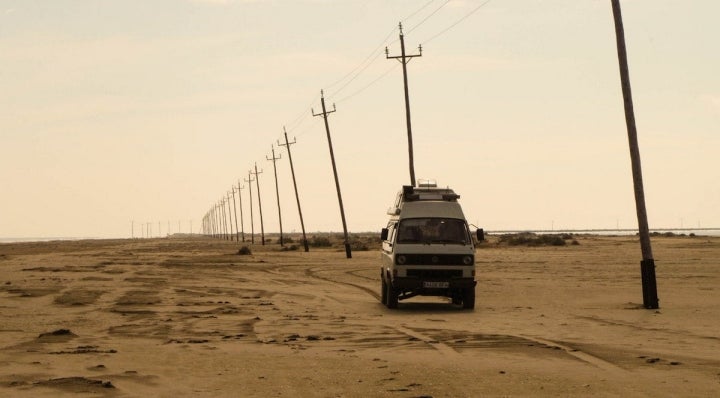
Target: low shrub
x=320, y=241
x=244, y=251
x=531, y=239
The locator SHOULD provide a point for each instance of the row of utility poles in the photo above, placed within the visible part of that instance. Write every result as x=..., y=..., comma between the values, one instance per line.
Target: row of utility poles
x=219, y=219
x=146, y=229
x=215, y=222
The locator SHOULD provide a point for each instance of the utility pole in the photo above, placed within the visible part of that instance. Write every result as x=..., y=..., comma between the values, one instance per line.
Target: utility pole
x=237, y=230
x=224, y=218
x=159, y=230
x=232, y=234
x=277, y=190
x=404, y=59
x=325, y=114
x=242, y=222
x=212, y=220
x=132, y=229
x=297, y=197
x=257, y=184
x=647, y=265
x=216, y=227
x=252, y=226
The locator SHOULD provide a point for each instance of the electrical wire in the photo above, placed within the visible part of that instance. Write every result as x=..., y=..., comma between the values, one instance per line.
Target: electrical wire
x=373, y=52
x=302, y=116
x=473, y=11
x=428, y=17
x=369, y=84
x=418, y=10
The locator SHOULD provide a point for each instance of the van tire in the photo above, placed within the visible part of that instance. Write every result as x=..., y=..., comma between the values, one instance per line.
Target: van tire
x=469, y=298
x=392, y=296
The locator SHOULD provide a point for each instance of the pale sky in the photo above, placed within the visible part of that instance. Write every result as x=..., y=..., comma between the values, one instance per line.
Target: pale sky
x=114, y=111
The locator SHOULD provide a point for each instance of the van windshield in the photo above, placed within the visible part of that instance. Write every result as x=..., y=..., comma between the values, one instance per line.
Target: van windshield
x=433, y=230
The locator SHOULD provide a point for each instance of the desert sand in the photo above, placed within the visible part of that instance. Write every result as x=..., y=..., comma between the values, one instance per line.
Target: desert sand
x=190, y=317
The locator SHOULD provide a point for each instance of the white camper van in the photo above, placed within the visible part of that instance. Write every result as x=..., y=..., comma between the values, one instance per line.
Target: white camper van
x=427, y=247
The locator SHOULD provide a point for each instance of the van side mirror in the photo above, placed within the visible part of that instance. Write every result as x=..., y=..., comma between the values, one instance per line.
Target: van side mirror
x=480, y=234
x=384, y=234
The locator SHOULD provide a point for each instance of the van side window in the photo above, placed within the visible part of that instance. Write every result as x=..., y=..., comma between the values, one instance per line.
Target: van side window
x=391, y=232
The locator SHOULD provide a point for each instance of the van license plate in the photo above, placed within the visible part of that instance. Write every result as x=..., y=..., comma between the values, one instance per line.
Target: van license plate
x=436, y=285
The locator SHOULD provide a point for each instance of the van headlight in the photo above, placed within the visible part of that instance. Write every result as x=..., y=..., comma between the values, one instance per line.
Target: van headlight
x=467, y=260
x=401, y=259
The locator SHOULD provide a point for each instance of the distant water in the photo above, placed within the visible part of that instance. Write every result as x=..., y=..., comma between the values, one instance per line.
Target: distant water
x=16, y=240
x=675, y=231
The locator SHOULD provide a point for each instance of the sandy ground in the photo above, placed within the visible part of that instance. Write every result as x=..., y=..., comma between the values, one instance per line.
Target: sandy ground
x=190, y=317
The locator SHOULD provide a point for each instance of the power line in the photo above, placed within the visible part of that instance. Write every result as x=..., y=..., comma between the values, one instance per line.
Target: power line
x=418, y=10
x=466, y=16
x=377, y=79
x=360, y=65
x=428, y=17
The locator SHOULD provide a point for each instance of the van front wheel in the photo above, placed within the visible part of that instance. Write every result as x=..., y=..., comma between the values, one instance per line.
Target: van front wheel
x=469, y=298
x=392, y=296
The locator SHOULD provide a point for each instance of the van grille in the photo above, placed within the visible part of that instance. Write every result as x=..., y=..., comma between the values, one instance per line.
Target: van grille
x=433, y=259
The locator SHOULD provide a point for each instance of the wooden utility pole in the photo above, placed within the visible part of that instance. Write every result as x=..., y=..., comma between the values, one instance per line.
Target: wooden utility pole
x=277, y=190
x=242, y=222
x=252, y=224
x=297, y=197
x=257, y=185
x=237, y=230
x=325, y=114
x=647, y=265
x=224, y=218
x=404, y=59
x=232, y=234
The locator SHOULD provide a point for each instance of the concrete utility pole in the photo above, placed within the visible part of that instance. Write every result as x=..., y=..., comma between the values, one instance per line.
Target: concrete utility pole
x=237, y=230
x=404, y=59
x=257, y=184
x=274, y=159
x=325, y=114
x=242, y=222
x=230, y=216
x=297, y=197
x=252, y=226
x=647, y=265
